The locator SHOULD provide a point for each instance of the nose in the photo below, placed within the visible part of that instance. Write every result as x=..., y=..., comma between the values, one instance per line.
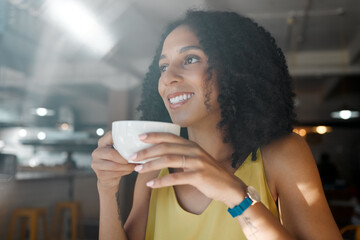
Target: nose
x=171, y=76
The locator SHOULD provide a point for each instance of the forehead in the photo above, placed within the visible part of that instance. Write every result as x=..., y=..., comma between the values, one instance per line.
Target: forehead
x=180, y=37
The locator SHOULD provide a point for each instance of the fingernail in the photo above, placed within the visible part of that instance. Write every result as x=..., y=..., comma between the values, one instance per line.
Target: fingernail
x=142, y=136
x=138, y=168
x=133, y=157
x=149, y=184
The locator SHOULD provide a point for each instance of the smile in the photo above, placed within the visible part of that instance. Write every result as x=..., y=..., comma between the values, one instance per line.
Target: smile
x=181, y=98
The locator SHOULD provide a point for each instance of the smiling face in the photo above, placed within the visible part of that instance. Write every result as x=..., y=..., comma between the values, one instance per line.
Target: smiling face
x=183, y=82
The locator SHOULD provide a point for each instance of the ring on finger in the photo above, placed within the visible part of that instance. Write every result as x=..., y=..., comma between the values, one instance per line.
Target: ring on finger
x=183, y=162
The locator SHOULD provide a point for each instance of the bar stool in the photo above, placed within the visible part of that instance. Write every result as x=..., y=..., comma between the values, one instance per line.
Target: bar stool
x=58, y=219
x=355, y=228
x=31, y=215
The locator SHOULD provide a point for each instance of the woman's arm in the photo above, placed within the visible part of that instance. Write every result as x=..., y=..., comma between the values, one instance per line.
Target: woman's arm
x=110, y=226
x=135, y=227
x=291, y=169
x=292, y=173
x=109, y=167
x=257, y=222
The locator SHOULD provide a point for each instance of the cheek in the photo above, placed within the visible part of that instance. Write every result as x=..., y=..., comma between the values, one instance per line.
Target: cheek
x=161, y=89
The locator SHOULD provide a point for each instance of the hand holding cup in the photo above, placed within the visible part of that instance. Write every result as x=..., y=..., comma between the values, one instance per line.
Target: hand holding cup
x=108, y=164
x=126, y=136
x=112, y=157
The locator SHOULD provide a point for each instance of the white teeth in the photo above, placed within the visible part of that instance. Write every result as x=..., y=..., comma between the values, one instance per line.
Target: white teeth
x=180, y=98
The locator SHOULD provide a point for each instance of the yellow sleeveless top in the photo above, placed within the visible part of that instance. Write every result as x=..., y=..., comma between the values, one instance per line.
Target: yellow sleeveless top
x=168, y=220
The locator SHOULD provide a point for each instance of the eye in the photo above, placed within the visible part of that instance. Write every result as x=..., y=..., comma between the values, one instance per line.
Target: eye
x=191, y=59
x=163, y=67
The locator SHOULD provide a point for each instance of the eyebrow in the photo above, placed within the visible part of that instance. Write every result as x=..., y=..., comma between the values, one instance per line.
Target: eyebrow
x=183, y=49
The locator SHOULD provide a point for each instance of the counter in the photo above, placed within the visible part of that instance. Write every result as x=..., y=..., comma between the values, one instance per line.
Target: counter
x=25, y=175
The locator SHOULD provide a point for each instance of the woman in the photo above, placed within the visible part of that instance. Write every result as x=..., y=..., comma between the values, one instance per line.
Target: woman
x=222, y=77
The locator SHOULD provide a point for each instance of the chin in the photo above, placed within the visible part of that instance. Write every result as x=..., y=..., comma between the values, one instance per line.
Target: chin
x=182, y=120
x=182, y=123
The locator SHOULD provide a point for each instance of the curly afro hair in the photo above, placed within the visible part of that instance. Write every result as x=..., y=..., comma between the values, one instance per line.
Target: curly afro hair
x=255, y=90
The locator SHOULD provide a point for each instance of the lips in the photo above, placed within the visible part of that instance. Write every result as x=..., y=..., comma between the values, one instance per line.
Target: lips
x=180, y=98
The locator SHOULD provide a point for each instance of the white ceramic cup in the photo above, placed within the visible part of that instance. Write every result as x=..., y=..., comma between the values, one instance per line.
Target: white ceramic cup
x=126, y=136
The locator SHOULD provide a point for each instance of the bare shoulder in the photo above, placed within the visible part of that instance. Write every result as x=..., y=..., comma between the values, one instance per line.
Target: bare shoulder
x=287, y=155
x=282, y=157
x=293, y=175
x=135, y=225
x=289, y=145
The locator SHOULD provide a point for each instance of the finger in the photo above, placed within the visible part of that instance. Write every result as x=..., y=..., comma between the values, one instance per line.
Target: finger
x=166, y=148
x=170, y=161
x=106, y=140
x=107, y=175
x=106, y=165
x=108, y=153
x=179, y=178
x=158, y=137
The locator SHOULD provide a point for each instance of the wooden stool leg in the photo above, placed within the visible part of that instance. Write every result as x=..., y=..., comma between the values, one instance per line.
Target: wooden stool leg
x=80, y=227
x=53, y=225
x=58, y=220
x=61, y=224
x=23, y=227
x=33, y=227
x=74, y=220
x=44, y=226
x=12, y=227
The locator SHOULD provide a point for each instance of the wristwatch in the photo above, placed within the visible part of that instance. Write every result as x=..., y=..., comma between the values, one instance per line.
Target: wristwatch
x=251, y=198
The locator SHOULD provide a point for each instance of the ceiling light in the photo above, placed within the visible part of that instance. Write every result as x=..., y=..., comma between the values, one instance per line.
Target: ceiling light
x=22, y=132
x=42, y=112
x=321, y=129
x=345, y=114
x=100, y=131
x=81, y=23
x=64, y=126
x=302, y=132
x=41, y=135
x=305, y=130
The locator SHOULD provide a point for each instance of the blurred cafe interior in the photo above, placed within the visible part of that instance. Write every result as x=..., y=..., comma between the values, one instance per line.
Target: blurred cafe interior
x=70, y=68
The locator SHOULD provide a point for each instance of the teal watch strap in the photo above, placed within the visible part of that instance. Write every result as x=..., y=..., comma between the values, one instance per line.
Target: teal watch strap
x=239, y=209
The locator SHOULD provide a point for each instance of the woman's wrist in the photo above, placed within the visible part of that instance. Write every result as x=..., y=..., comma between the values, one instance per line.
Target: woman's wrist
x=107, y=187
x=237, y=194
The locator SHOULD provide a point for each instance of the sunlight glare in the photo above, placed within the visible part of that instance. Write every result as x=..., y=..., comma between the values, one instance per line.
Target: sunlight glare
x=81, y=23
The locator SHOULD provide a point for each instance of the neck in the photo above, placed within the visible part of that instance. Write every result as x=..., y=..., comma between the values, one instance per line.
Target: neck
x=210, y=138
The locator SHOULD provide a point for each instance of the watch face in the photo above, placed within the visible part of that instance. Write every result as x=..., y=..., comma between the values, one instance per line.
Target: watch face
x=253, y=194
